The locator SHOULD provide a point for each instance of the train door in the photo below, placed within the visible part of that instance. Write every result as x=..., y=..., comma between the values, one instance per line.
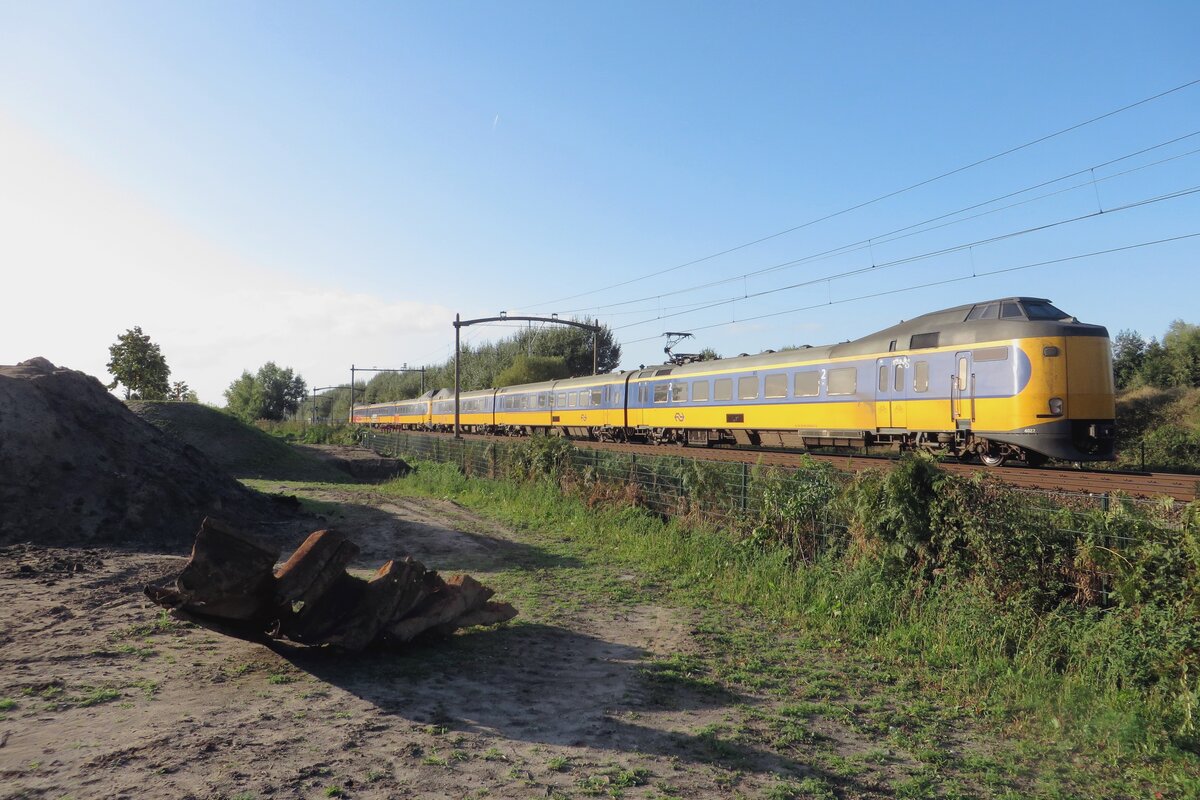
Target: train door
x=891, y=391
x=900, y=383
x=883, y=393
x=962, y=390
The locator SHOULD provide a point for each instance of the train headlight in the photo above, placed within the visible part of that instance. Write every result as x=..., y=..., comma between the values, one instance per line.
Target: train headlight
x=1056, y=406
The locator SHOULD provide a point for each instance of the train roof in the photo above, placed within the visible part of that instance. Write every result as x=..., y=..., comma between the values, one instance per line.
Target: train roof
x=967, y=324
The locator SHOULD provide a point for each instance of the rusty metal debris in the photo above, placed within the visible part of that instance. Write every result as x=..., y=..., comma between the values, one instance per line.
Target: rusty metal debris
x=311, y=599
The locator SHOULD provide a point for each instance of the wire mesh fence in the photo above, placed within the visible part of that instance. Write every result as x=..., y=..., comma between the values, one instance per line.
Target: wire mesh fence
x=740, y=496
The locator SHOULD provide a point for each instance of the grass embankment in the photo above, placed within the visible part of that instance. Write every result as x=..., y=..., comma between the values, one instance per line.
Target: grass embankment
x=1082, y=654
x=1162, y=423
x=242, y=450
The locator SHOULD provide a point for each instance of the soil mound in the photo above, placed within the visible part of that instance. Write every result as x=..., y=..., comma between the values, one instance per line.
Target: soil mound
x=240, y=449
x=77, y=467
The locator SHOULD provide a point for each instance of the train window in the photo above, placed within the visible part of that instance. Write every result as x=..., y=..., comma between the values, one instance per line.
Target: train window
x=571, y=399
x=898, y=385
x=807, y=384
x=883, y=377
x=723, y=389
x=991, y=354
x=541, y=400
x=1011, y=311
x=748, y=387
x=661, y=392
x=1043, y=310
x=775, y=385
x=642, y=394
x=700, y=391
x=922, y=341
x=962, y=373
x=617, y=397
x=562, y=399
x=892, y=346
x=595, y=397
x=661, y=372
x=987, y=311
x=679, y=392
x=843, y=381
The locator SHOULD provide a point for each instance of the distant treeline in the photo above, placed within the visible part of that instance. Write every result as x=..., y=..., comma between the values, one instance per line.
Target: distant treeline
x=532, y=354
x=1173, y=362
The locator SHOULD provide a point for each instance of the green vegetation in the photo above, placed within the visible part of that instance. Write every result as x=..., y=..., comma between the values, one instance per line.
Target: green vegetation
x=1158, y=402
x=240, y=449
x=1159, y=428
x=1070, y=630
x=272, y=393
x=1174, y=362
x=300, y=432
x=138, y=364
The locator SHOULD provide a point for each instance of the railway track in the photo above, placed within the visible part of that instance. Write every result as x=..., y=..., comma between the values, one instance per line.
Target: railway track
x=1180, y=487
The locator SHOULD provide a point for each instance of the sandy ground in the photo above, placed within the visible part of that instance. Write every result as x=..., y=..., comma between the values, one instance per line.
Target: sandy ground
x=107, y=697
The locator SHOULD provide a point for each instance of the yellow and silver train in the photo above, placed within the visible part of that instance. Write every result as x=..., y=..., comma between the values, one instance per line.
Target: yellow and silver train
x=1014, y=378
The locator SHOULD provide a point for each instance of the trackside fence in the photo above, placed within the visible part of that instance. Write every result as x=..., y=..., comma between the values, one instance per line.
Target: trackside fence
x=796, y=505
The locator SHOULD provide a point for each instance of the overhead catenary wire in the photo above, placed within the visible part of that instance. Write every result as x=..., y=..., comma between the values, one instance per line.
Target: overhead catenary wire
x=920, y=257
x=930, y=284
x=879, y=198
x=924, y=226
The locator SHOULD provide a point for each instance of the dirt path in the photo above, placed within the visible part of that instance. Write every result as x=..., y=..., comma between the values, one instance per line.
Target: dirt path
x=106, y=697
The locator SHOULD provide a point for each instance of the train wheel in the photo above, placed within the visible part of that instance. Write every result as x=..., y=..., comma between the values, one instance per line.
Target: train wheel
x=992, y=458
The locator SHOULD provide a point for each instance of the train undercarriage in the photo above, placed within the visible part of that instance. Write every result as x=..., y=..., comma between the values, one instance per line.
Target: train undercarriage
x=1092, y=442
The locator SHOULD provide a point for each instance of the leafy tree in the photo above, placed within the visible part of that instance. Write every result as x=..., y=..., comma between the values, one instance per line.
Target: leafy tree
x=532, y=369
x=709, y=354
x=1156, y=366
x=138, y=364
x=244, y=398
x=282, y=390
x=1182, y=343
x=182, y=393
x=271, y=393
x=1129, y=352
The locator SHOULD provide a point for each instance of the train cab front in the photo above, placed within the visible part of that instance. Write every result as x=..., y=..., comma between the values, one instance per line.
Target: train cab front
x=1067, y=408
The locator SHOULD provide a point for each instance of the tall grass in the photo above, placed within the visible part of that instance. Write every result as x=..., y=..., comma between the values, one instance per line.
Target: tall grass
x=1083, y=626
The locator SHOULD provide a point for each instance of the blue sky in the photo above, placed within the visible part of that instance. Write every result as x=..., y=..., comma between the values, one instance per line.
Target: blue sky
x=322, y=184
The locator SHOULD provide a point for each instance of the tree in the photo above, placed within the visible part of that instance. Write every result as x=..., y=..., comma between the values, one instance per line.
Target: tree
x=138, y=364
x=1129, y=351
x=1182, y=343
x=272, y=393
x=533, y=369
x=282, y=390
x=182, y=393
x=244, y=398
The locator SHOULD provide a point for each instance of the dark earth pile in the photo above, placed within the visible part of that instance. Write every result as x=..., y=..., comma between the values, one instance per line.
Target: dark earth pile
x=76, y=466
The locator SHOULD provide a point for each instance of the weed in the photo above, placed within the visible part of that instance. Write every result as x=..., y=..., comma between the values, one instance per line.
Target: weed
x=7, y=704
x=279, y=678
x=334, y=791
x=96, y=696
x=558, y=764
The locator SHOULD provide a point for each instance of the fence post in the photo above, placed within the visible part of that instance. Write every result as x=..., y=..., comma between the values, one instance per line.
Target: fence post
x=745, y=483
x=1143, y=444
